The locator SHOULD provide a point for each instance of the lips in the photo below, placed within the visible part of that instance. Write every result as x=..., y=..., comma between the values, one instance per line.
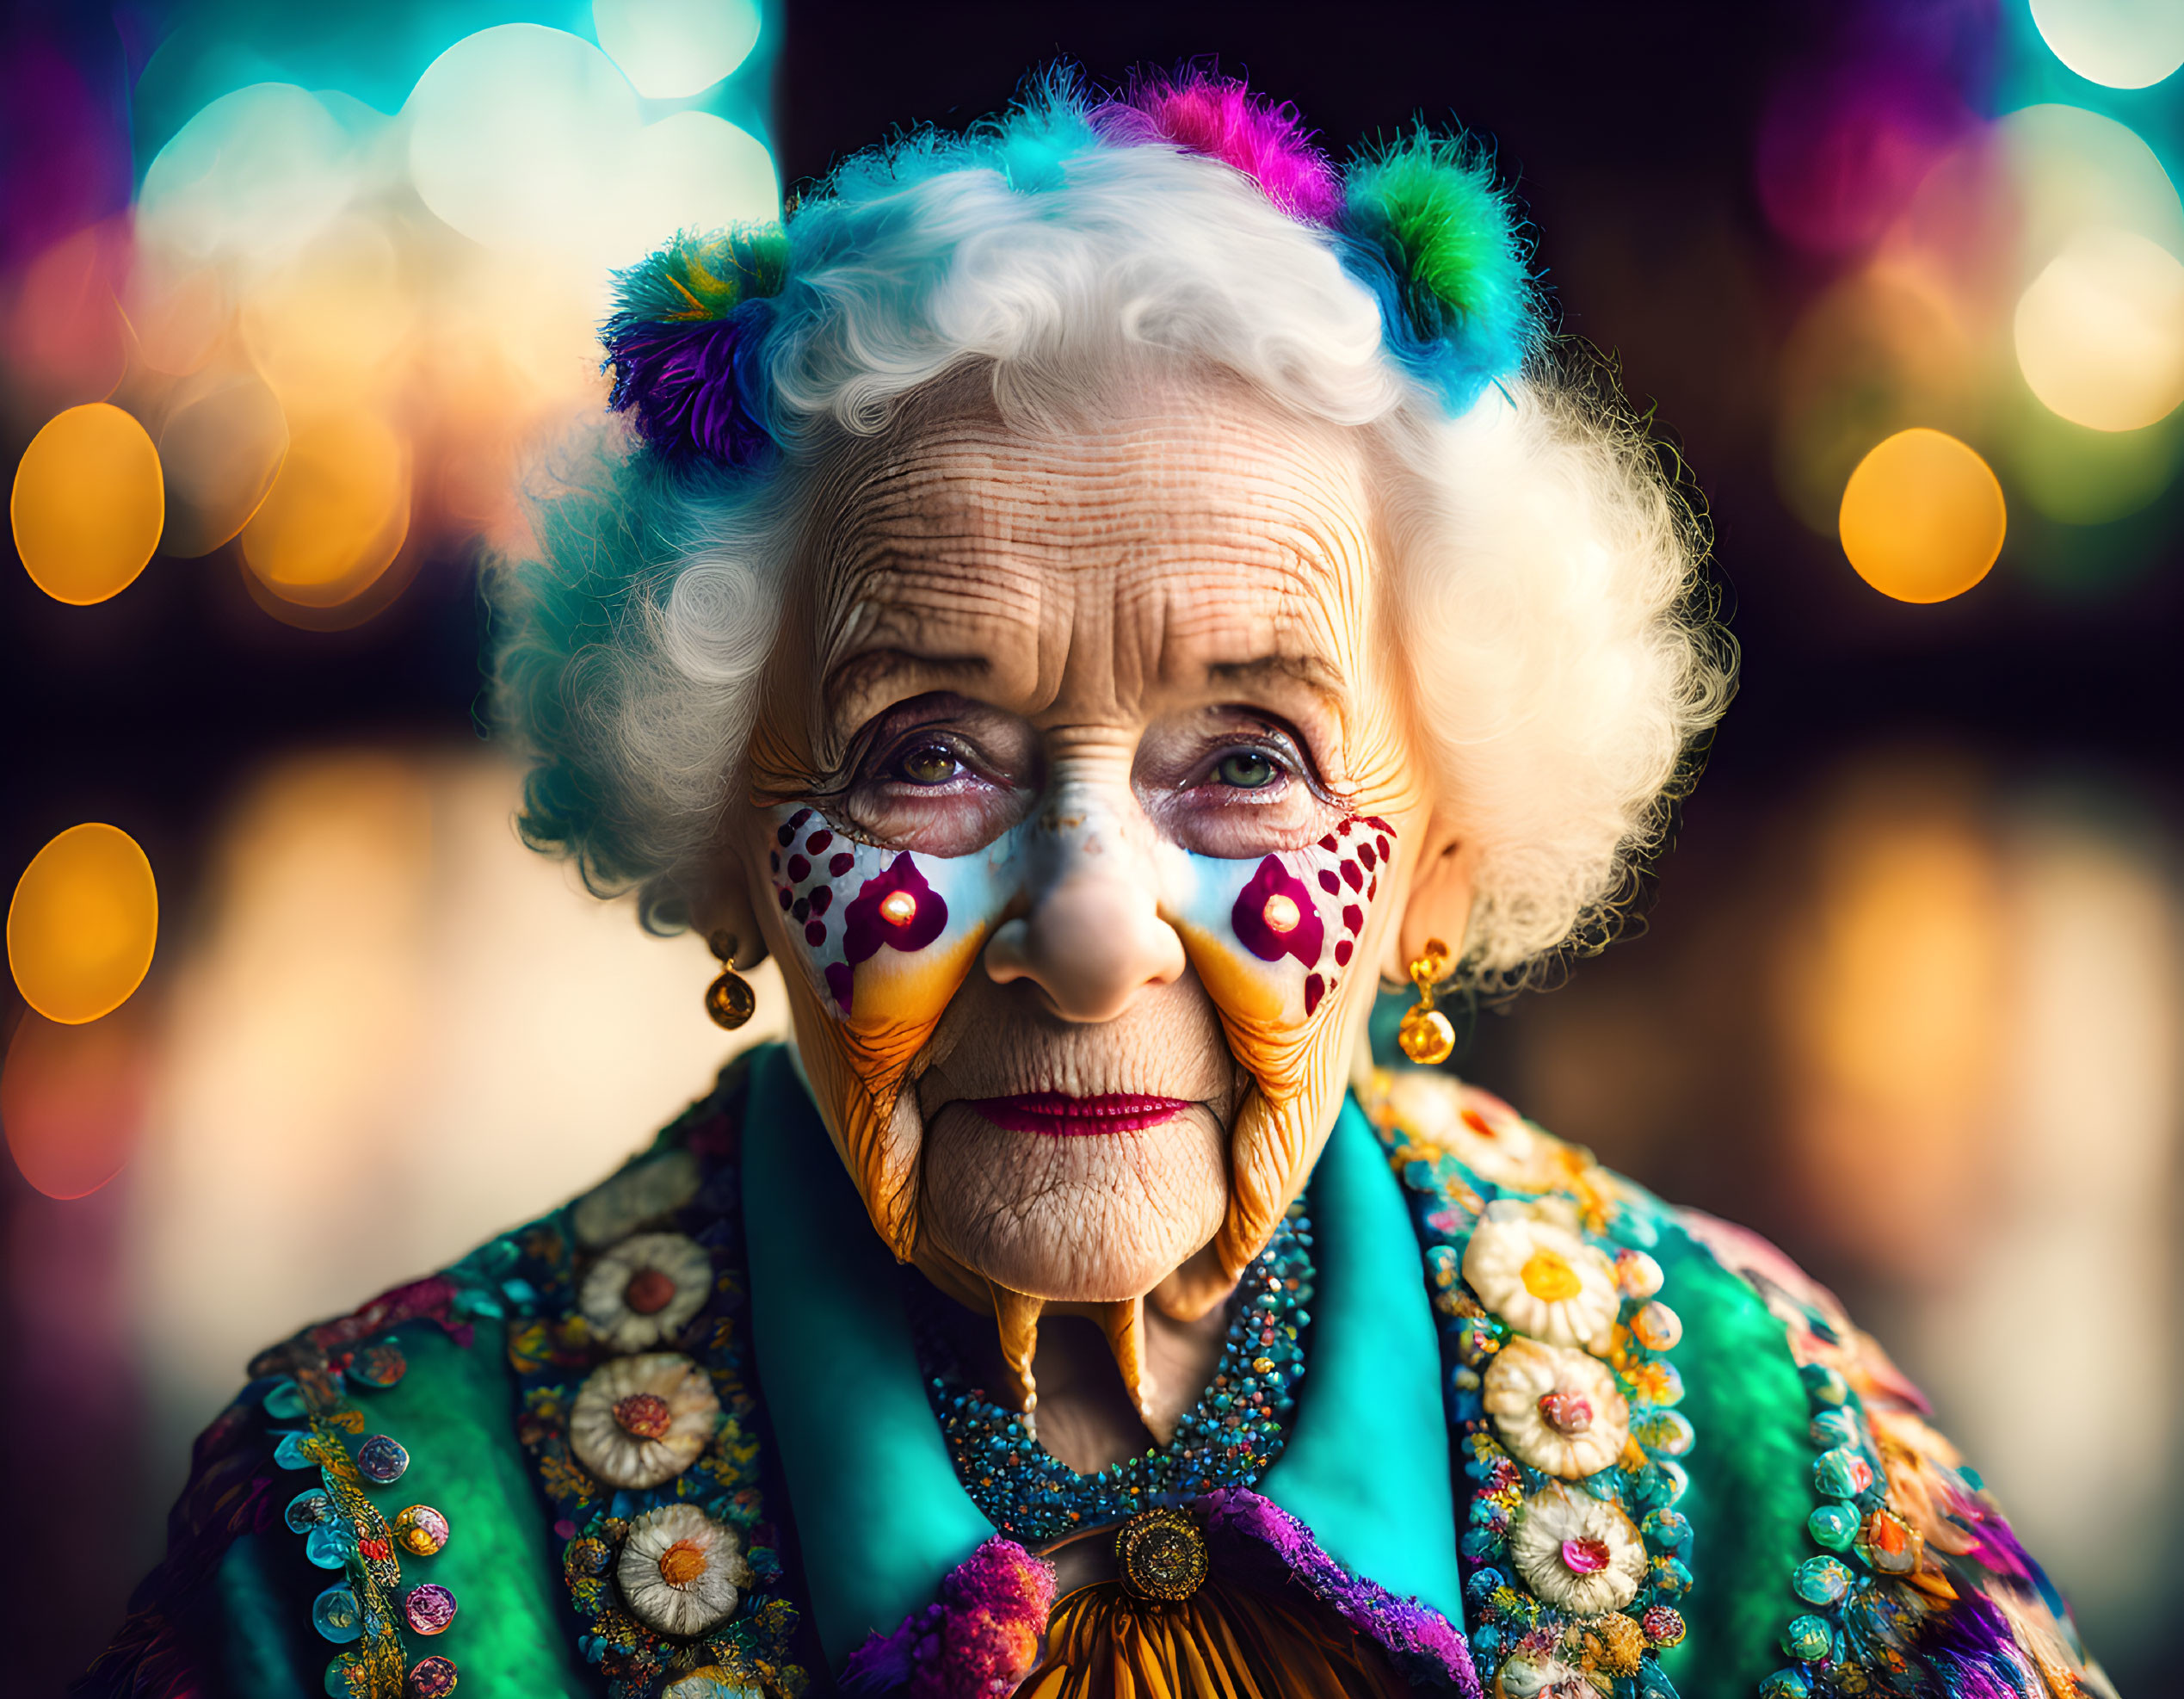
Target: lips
x=1060, y=1116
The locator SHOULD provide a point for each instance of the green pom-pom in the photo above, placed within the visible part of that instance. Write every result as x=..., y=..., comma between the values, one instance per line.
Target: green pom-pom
x=1429, y=211
x=700, y=277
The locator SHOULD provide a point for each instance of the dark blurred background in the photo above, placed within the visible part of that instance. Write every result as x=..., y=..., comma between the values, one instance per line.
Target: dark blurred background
x=1904, y=995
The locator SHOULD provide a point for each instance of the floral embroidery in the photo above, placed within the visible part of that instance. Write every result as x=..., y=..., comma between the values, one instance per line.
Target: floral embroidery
x=690, y=1188
x=1542, y=1279
x=1576, y=1552
x=1539, y=1270
x=679, y=1571
x=645, y=1290
x=1558, y=1411
x=642, y=1420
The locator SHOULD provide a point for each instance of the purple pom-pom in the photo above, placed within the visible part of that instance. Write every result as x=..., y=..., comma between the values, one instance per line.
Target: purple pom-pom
x=679, y=383
x=1222, y=120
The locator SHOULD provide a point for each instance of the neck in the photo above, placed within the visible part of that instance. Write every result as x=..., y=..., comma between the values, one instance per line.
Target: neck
x=1086, y=1416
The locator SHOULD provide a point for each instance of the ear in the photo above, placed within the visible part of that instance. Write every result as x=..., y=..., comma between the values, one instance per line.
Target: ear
x=721, y=899
x=1438, y=903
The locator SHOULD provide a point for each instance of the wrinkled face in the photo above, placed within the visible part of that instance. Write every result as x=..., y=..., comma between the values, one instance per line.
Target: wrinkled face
x=1080, y=810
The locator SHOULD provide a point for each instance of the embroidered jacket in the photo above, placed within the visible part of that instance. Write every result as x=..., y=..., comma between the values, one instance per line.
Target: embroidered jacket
x=1557, y=1437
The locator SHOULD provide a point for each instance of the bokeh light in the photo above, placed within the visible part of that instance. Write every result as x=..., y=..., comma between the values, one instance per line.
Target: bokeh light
x=692, y=171
x=330, y=327
x=2079, y=475
x=2100, y=334
x=72, y=1101
x=256, y=174
x=83, y=925
x=219, y=449
x=671, y=49
x=517, y=134
x=88, y=504
x=65, y=341
x=337, y=513
x=2072, y=170
x=1922, y=517
x=1840, y=152
x=1877, y=353
x=2127, y=44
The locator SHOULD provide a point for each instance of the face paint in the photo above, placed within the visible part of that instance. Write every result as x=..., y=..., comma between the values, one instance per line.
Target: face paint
x=883, y=938
x=1272, y=941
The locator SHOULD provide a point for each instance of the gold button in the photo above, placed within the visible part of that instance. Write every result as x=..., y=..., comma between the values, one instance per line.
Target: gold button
x=1162, y=1555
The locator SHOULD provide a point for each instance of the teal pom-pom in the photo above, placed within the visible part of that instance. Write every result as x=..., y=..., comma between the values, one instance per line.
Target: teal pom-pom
x=1436, y=238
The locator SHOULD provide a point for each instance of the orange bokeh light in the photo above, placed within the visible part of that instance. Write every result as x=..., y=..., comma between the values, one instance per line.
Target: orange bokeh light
x=1922, y=517
x=337, y=513
x=83, y=925
x=88, y=504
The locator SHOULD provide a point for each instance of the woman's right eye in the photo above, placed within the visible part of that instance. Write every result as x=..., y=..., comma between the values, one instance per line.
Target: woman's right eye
x=941, y=775
x=928, y=764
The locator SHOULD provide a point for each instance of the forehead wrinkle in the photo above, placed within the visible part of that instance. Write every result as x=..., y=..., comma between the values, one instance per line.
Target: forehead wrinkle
x=969, y=551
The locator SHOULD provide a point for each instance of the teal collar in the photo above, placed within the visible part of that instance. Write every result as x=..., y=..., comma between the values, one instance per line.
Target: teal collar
x=880, y=1514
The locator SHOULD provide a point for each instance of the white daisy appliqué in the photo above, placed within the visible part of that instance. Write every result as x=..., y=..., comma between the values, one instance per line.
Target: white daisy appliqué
x=1556, y=1409
x=1542, y=1279
x=640, y=1193
x=641, y=1420
x=680, y=1572
x=646, y=1289
x=1576, y=1552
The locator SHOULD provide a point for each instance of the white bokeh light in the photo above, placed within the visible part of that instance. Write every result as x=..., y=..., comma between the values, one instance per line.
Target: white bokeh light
x=517, y=136
x=671, y=49
x=692, y=171
x=2100, y=334
x=2075, y=171
x=2125, y=44
x=253, y=177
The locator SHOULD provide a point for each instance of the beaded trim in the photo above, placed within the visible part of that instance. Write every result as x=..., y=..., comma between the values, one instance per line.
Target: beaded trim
x=1229, y=1438
x=344, y=1530
x=1916, y=1583
x=1574, y=1574
x=540, y=1272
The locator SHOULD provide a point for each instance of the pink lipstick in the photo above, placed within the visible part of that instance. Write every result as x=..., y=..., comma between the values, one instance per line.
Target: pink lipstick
x=1061, y=1116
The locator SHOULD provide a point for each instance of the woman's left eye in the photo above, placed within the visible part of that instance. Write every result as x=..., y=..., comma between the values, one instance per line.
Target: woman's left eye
x=1247, y=770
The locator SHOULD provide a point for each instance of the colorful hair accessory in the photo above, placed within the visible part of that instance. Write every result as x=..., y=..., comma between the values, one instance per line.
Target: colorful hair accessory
x=1434, y=239
x=1421, y=224
x=683, y=340
x=1220, y=118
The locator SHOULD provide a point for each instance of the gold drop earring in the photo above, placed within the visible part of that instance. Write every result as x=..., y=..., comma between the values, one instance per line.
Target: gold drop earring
x=1426, y=1035
x=729, y=999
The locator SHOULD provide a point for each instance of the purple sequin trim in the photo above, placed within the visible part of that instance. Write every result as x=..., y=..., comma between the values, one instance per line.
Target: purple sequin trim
x=1421, y=1642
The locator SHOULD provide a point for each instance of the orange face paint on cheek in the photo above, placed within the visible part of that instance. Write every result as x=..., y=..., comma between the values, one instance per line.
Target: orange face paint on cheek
x=1272, y=939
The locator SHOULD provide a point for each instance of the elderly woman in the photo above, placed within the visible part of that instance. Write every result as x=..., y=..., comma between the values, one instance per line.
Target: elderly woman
x=1095, y=599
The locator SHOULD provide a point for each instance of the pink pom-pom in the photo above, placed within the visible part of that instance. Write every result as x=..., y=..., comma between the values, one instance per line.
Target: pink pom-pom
x=978, y=1641
x=1222, y=120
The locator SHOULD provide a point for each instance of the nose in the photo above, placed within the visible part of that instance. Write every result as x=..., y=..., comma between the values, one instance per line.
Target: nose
x=1092, y=942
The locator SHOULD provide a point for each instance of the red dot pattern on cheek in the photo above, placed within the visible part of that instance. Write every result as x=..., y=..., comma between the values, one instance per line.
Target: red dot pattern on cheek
x=866, y=921
x=1277, y=913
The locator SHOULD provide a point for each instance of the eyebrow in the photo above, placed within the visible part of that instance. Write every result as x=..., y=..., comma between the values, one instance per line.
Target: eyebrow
x=854, y=687
x=1309, y=671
